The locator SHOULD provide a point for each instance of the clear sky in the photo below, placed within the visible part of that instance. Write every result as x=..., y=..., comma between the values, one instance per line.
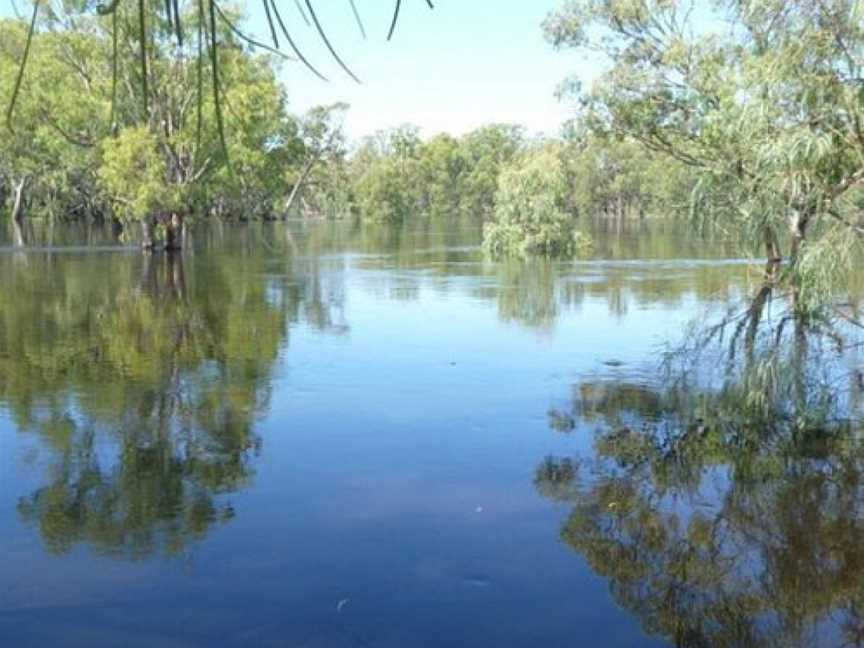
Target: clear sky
x=466, y=63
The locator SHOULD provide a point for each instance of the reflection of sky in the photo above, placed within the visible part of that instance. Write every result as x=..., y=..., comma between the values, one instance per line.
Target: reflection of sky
x=396, y=472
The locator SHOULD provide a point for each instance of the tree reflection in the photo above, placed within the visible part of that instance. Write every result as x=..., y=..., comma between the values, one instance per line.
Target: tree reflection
x=725, y=503
x=143, y=377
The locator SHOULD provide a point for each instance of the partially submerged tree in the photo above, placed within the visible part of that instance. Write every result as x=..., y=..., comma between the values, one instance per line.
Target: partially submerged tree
x=531, y=215
x=185, y=73
x=761, y=99
x=47, y=161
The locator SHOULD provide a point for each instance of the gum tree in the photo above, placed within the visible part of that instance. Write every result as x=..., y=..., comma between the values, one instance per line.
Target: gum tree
x=762, y=98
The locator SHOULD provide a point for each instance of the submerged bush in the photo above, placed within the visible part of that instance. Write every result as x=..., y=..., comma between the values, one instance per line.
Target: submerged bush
x=383, y=195
x=530, y=211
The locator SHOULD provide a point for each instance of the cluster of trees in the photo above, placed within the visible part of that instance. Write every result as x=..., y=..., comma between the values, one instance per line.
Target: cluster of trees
x=760, y=101
x=745, y=113
x=396, y=175
x=530, y=192
x=89, y=138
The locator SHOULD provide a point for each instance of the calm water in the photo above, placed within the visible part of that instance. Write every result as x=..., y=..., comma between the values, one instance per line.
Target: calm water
x=324, y=436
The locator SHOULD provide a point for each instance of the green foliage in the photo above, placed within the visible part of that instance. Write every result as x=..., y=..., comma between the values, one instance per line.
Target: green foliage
x=56, y=121
x=761, y=100
x=618, y=178
x=133, y=174
x=488, y=151
x=148, y=163
x=321, y=182
x=444, y=177
x=383, y=192
x=154, y=21
x=530, y=210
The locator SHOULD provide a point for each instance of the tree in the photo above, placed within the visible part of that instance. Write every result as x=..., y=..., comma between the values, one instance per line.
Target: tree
x=760, y=99
x=86, y=143
x=488, y=151
x=133, y=173
x=617, y=178
x=442, y=171
x=47, y=157
x=323, y=141
x=150, y=22
x=530, y=209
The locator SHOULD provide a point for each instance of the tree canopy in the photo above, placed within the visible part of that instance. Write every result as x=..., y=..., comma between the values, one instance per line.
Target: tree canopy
x=762, y=100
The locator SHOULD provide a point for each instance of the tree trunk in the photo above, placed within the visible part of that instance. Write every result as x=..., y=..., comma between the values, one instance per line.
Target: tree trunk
x=757, y=308
x=174, y=232
x=300, y=182
x=772, y=254
x=798, y=226
x=18, y=237
x=18, y=201
x=148, y=227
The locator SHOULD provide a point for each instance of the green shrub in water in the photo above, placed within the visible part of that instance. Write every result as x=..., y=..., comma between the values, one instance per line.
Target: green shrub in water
x=530, y=213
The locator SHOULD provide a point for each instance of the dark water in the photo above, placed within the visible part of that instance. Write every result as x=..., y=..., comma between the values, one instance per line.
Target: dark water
x=327, y=436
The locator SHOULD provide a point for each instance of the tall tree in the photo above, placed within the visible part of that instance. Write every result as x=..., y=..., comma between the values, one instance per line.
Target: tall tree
x=762, y=99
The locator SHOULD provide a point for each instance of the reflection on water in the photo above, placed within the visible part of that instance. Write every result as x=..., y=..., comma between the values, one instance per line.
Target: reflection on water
x=725, y=507
x=145, y=386
x=328, y=435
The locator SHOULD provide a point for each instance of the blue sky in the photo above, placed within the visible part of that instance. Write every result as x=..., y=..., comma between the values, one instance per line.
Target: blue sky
x=466, y=63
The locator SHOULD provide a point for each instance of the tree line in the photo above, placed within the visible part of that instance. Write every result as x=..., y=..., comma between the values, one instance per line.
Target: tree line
x=89, y=140
x=744, y=114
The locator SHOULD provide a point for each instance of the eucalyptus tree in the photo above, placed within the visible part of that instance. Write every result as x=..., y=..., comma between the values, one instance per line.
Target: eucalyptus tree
x=397, y=174
x=322, y=138
x=531, y=214
x=47, y=160
x=197, y=102
x=165, y=162
x=488, y=149
x=145, y=22
x=760, y=98
x=618, y=179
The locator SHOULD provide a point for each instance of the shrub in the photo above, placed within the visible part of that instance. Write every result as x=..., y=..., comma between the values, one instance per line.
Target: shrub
x=530, y=213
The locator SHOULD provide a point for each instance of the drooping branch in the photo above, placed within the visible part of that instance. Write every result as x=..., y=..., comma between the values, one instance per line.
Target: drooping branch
x=20, y=77
x=326, y=40
x=292, y=44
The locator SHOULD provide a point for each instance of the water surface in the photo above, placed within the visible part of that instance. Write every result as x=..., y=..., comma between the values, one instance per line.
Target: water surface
x=323, y=435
